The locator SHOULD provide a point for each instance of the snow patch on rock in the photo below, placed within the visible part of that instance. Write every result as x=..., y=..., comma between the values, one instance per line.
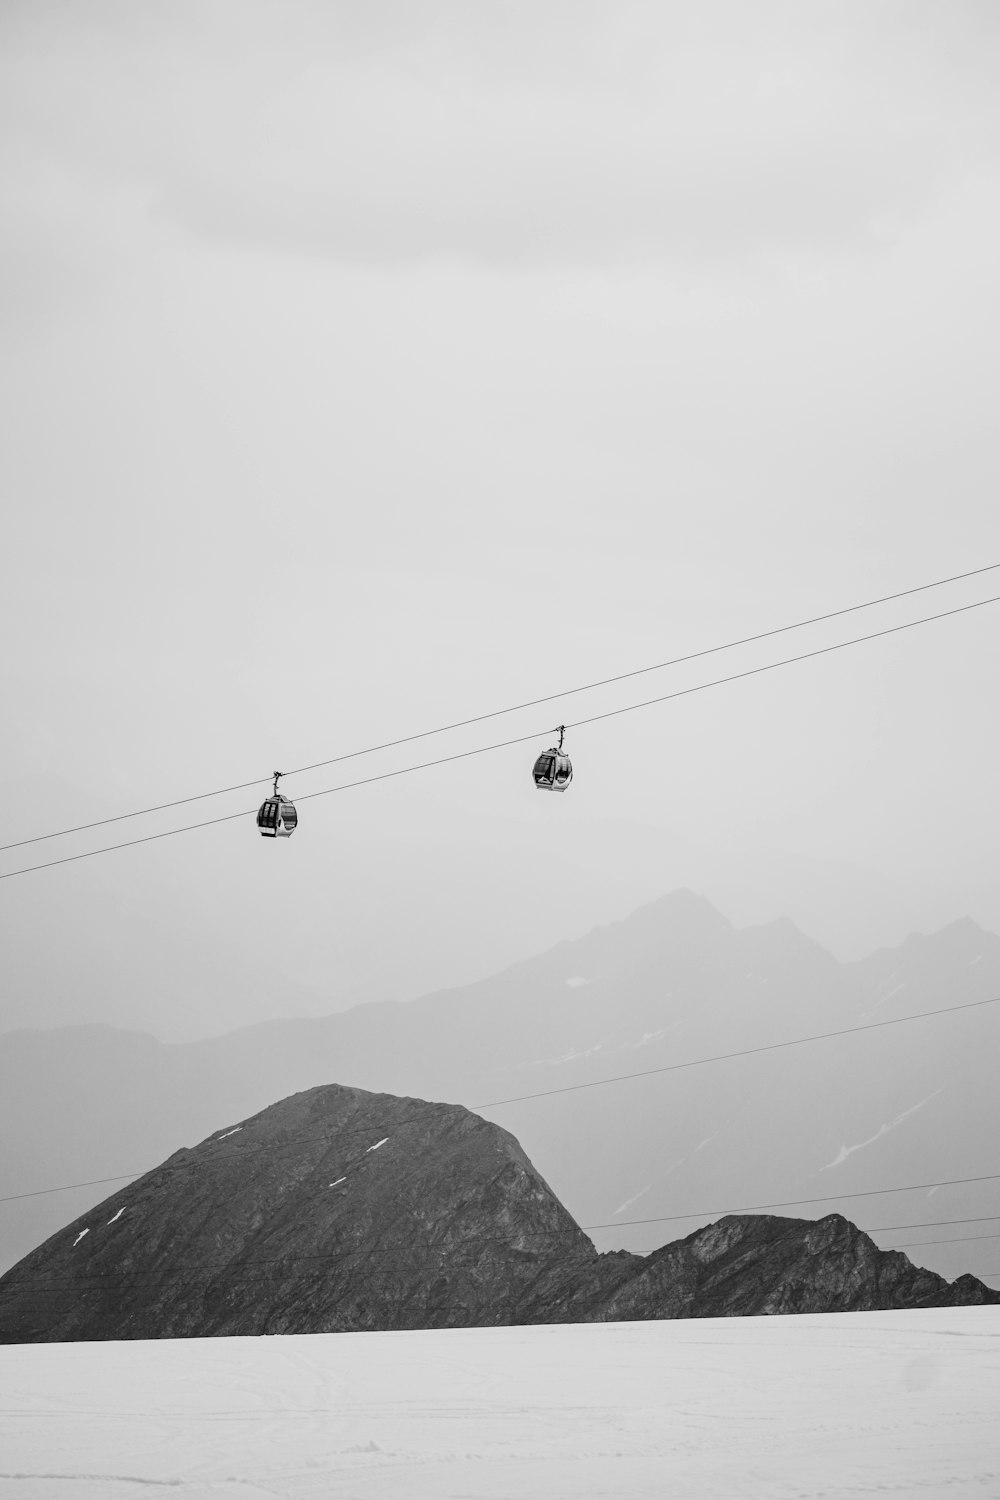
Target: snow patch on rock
x=846, y=1151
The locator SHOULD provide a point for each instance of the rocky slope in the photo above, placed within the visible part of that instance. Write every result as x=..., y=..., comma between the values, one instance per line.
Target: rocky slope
x=760, y=1264
x=341, y=1210
x=335, y=1209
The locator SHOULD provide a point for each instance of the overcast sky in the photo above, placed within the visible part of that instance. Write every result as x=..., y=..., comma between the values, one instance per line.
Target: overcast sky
x=367, y=366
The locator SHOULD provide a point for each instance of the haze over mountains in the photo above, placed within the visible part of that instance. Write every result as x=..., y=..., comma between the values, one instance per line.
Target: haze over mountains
x=156, y=951
x=675, y=982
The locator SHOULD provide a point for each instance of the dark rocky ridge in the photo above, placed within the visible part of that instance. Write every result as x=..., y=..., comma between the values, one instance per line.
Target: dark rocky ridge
x=745, y=1265
x=340, y=1210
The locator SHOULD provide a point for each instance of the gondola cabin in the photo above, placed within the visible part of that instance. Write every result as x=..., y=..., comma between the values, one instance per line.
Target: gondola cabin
x=553, y=770
x=276, y=816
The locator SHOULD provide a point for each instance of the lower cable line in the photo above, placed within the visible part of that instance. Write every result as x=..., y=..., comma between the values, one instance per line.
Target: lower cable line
x=98, y=1280
x=935, y=1224
x=700, y=1062
x=754, y=1208
x=958, y=1239
x=696, y=1062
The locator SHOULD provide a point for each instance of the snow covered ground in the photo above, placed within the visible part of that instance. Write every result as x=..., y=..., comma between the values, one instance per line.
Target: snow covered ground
x=889, y=1404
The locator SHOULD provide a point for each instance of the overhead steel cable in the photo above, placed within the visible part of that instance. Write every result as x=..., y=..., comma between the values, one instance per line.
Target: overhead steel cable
x=521, y=739
x=659, y=666
x=497, y=713
x=936, y=1224
x=696, y=1062
x=699, y=1062
x=93, y=1279
x=69, y=1187
x=140, y=812
x=754, y=1208
x=958, y=1239
x=169, y=1168
x=246, y=812
x=109, y=1281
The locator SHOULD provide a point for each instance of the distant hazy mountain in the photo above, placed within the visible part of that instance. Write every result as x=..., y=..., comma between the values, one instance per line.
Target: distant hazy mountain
x=674, y=983
x=340, y=1210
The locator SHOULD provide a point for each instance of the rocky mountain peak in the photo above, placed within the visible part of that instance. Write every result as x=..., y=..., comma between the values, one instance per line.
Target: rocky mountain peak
x=782, y=941
x=306, y=1217
x=682, y=911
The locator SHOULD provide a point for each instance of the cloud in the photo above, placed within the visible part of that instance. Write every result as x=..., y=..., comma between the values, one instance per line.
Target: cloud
x=539, y=133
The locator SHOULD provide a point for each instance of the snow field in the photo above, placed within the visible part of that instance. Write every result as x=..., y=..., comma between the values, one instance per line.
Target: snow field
x=903, y=1404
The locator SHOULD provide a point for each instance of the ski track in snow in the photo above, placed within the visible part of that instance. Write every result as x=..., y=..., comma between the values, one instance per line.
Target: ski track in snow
x=844, y=1405
x=101, y=1479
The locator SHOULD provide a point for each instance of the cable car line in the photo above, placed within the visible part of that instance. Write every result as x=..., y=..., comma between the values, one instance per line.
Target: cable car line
x=523, y=738
x=247, y=812
x=708, y=1213
x=169, y=1170
x=696, y=1062
x=499, y=712
x=128, y=844
x=936, y=1224
x=959, y=1239
x=752, y=1208
x=786, y=661
x=68, y=1187
x=293, y=1143
x=93, y=1279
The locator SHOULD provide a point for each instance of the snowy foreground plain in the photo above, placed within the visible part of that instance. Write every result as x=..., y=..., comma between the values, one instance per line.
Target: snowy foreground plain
x=889, y=1404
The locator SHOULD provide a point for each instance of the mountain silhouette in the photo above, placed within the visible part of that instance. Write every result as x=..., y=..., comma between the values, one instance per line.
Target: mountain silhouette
x=340, y=1210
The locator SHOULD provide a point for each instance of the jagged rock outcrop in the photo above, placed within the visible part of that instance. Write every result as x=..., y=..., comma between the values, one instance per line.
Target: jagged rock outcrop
x=759, y=1263
x=339, y=1210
